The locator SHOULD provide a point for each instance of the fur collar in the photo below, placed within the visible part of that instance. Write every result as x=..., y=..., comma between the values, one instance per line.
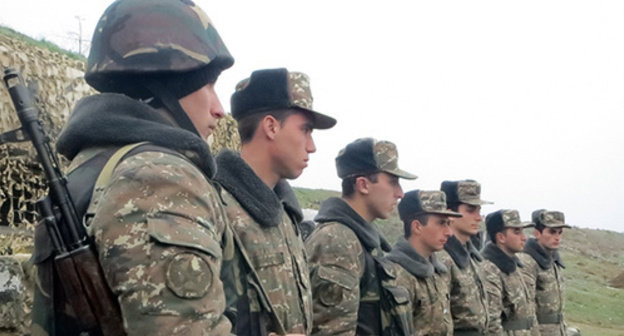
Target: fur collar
x=461, y=253
x=264, y=205
x=543, y=258
x=335, y=209
x=111, y=119
x=404, y=254
x=504, y=262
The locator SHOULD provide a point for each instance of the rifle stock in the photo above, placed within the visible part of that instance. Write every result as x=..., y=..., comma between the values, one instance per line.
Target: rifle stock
x=81, y=276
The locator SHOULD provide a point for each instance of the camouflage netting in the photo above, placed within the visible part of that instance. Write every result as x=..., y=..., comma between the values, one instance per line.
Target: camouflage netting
x=57, y=84
x=225, y=136
x=56, y=81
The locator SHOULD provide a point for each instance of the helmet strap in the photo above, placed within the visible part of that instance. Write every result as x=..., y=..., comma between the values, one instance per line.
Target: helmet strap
x=172, y=103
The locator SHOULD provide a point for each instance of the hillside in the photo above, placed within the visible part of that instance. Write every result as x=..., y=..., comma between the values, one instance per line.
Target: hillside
x=594, y=262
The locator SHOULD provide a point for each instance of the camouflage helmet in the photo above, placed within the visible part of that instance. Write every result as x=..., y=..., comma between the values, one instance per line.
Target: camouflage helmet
x=137, y=39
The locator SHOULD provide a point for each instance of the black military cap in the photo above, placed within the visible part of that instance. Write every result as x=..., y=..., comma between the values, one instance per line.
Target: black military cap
x=366, y=156
x=502, y=219
x=418, y=202
x=465, y=191
x=273, y=89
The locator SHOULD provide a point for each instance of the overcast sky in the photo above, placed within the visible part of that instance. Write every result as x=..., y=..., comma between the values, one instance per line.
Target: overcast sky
x=525, y=96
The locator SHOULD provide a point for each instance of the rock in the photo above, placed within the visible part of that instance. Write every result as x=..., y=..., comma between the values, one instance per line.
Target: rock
x=618, y=281
x=15, y=297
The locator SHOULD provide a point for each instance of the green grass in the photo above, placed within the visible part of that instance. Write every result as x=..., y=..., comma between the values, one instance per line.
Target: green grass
x=40, y=43
x=593, y=258
x=312, y=198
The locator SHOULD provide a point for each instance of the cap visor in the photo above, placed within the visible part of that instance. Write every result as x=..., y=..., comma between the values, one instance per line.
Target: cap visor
x=527, y=225
x=476, y=202
x=558, y=226
x=322, y=121
x=522, y=225
x=446, y=213
x=402, y=174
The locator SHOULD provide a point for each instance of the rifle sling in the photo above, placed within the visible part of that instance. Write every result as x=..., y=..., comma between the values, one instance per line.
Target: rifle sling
x=104, y=177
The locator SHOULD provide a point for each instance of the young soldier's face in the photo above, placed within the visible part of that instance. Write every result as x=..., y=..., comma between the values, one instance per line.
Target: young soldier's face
x=549, y=238
x=204, y=109
x=293, y=145
x=436, y=232
x=384, y=195
x=468, y=224
x=513, y=239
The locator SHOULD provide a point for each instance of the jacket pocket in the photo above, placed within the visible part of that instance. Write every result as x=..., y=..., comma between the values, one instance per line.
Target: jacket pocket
x=332, y=285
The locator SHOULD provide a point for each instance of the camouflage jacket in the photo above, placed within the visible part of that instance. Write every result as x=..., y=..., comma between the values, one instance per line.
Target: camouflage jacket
x=510, y=310
x=542, y=275
x=158, y=226
x=350, y=279
x=265, y=222
x=426, y=281
x=467, y=290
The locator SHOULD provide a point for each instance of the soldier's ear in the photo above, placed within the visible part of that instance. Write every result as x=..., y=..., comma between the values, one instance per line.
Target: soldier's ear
x=269, y=126
x=416, y=226
x=361, y=185
x=501, y=238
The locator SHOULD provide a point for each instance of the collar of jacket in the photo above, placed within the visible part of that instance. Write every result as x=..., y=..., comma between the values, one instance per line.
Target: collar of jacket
x=111, y=119
x=461, y=253
x=543, y=258
x=264, y=205
x=403, y=253
x=335, y=209
x=504, y=262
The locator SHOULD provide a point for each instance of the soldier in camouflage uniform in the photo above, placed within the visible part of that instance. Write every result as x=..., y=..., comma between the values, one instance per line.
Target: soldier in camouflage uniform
x=542, y=271
x=426, y=223
x=273, y=108
x=510, y=309
x=350, y=279
x=159, y=226
x=462, y=258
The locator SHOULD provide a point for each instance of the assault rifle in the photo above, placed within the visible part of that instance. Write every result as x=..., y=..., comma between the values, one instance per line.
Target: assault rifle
x=75, y=261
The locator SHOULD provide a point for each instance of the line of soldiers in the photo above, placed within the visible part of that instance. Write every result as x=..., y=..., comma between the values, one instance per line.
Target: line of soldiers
x=195, y=245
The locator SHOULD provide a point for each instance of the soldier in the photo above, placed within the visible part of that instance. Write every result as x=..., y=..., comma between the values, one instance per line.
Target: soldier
x=159, y=225
x=426, y=224
x=542, y=271
x=462, y=258
x=510, y=309
x=349, y=277
x=273, y=108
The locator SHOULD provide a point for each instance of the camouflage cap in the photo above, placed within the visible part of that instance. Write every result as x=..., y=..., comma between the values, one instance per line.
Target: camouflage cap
x=366, y=156
x=551, y=219
x=273, y=89
x=502, y=219
x=418, y=202
x=465, y=191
